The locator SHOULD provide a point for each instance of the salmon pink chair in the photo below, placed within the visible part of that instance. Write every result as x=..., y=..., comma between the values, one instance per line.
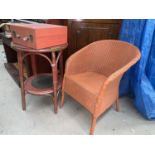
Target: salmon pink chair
x=92, y=75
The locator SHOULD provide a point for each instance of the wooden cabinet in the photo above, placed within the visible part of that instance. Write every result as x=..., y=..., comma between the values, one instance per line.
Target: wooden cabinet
x=83, y=32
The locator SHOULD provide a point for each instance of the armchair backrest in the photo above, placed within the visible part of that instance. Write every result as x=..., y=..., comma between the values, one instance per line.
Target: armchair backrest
x=108, y=56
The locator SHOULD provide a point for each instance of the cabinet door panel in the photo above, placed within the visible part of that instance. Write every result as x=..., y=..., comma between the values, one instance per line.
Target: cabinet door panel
x=87, y=31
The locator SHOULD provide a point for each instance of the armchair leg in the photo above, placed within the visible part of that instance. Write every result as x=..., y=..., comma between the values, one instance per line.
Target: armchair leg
x=117, y=105
x=93, y=125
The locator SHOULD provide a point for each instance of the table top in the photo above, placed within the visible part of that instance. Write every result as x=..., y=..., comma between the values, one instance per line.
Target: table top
x=49, y=49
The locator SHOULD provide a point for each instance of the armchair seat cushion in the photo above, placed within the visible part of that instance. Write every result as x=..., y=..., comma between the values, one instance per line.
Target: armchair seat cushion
x=84, y=87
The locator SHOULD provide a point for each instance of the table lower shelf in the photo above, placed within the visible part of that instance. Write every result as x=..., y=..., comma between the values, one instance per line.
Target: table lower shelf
x=40, y=84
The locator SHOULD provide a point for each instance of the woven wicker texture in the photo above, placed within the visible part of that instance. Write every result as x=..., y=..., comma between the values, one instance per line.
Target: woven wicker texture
x=93, y=73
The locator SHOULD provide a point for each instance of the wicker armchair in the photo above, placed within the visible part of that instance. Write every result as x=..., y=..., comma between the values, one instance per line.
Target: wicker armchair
x=93, y=74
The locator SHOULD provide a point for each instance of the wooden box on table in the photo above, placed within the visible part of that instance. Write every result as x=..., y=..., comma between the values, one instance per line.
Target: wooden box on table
x=38, y=36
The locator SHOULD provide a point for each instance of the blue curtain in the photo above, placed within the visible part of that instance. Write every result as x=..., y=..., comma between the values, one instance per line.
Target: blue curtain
x=139, y=81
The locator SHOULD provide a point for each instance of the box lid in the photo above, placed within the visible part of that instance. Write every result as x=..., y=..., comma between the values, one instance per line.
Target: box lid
x=35, y=26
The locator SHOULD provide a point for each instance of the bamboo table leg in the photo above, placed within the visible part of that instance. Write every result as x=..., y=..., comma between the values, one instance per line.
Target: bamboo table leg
x=21, y=76
x=33, y=61
x=55, y=81
x=61, y=67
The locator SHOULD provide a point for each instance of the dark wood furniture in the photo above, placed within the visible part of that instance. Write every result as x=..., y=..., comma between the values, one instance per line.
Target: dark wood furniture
x=85, y=31
x=36, y=84
x=11, y=58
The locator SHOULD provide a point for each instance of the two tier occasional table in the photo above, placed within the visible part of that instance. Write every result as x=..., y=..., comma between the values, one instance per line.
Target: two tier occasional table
x=44, y=83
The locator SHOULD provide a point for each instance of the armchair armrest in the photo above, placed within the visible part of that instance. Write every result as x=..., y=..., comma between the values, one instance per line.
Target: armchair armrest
x=111, y=85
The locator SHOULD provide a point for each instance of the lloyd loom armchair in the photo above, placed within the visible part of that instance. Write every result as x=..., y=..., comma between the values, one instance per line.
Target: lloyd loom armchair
x=93, y=74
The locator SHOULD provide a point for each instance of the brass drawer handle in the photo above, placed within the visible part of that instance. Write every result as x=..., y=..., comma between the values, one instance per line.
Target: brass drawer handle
x=28, y=38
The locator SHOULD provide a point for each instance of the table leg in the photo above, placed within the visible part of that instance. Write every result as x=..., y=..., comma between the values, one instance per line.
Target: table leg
x=55, y=81
x=61, y=67
x=21, y=77
x=33, y=61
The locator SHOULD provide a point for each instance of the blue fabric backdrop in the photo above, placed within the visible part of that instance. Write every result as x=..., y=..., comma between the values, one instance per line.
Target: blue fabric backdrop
x=139, y=81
